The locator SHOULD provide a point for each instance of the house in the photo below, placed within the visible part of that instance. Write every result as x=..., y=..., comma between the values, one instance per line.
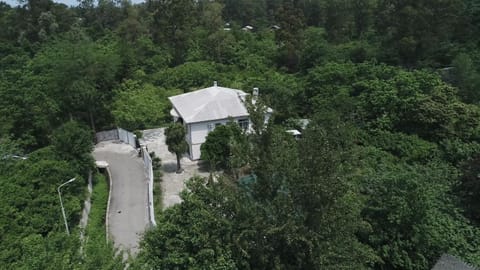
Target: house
x=202, y=110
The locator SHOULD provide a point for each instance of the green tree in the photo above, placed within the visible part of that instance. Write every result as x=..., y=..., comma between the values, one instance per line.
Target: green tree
x=225, y=147
x=188, y=76
x=469, y=188
x=139, y=105
x=74, y=142
x=171, y=26
x=466, y=78
x=181, y=241
x=330, y=204
x=78, y=74
x=412, y=214
x=290, y=35
x=245, y=12
x=175, y=140
x=416, y=31
x=315, y=49
x=9, y=154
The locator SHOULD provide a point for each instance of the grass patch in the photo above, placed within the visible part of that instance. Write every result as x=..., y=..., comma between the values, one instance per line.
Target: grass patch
x=97, y=250
x=157, y=185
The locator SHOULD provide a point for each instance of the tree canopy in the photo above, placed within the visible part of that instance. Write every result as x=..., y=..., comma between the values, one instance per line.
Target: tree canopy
x=175, y=139
x=384, y=176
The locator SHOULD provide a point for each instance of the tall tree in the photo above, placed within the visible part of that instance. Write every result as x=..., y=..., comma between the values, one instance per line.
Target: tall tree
x=172, y=25
x=175, y=140
x=223, y=147
x=413, y=215
x=80, y=74
x=289, y=37
x=74, y=142
x=467, y=78
x=414, y=30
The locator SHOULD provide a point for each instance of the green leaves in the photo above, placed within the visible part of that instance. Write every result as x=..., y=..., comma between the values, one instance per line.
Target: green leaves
x=226, y=147
x=175, y=139
x=139, y=105
x=413, y=218
x=73, y=142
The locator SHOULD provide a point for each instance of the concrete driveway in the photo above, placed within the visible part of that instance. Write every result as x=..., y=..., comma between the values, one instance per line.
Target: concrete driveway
x=172, y=183
x=128, y=213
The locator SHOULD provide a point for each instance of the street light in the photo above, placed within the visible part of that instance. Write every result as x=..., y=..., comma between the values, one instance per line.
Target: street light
x=61, y=203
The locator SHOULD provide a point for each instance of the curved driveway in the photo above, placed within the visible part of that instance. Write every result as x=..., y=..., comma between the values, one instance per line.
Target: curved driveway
x=128, y=213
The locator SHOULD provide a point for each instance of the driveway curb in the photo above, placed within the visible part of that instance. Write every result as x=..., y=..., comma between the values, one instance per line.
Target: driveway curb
x=108, y=204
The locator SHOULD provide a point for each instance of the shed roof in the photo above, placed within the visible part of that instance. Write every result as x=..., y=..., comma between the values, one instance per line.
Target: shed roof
x=211, y=103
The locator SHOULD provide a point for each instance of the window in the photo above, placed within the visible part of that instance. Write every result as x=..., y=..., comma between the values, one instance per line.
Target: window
x=210, y=127
x=243, y=123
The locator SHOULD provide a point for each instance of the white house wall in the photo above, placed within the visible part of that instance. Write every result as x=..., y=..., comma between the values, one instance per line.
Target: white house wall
x=197, y=134
x=195, y=151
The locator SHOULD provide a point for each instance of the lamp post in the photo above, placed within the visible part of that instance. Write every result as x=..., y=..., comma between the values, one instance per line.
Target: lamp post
x=61, y=203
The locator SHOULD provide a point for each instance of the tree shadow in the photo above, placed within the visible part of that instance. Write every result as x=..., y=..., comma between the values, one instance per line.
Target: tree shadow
x=169, y=167
x=203, y=166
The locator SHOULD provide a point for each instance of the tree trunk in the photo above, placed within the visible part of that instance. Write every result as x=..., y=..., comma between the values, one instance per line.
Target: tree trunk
x=179, y=166
x=92, y=122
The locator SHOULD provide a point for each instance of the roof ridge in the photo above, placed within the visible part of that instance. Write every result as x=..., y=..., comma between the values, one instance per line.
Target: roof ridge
x=215, y=102
x=200, y=109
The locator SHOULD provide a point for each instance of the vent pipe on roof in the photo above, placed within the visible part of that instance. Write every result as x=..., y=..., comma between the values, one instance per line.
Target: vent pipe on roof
x=255, y=95
x=215, y=83
x=255, y=92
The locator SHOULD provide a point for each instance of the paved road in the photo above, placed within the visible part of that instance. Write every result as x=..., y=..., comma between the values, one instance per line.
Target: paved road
x=128, y=214
x=172, y=183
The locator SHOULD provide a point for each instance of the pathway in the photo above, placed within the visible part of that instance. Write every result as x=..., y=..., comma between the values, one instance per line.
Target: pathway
x=128, y=213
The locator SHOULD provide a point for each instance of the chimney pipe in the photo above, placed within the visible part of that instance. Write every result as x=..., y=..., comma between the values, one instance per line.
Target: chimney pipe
x=215, y=83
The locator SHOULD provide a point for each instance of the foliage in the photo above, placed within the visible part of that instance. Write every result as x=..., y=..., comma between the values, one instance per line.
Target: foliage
x=413, y=215
x=386, y=98
x=141, y=106
x=73, y=142
x=409, y=148
x=221, y=223
x=223, y=145
x=469, y=187
x=32, y=230
x=99, y=252
x=175, y=139
x=79, y=73
x=181, y=240
x=467, y=78
x=386, y=176
x=187, y=76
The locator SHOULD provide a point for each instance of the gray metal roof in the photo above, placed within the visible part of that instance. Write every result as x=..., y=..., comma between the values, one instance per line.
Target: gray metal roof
x=449, y=262
x=211, y=103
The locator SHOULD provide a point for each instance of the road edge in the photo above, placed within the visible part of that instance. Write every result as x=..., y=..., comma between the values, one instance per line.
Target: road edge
x=110, y=183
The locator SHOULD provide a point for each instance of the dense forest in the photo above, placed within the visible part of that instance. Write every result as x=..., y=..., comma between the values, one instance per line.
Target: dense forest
x=385, y=176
